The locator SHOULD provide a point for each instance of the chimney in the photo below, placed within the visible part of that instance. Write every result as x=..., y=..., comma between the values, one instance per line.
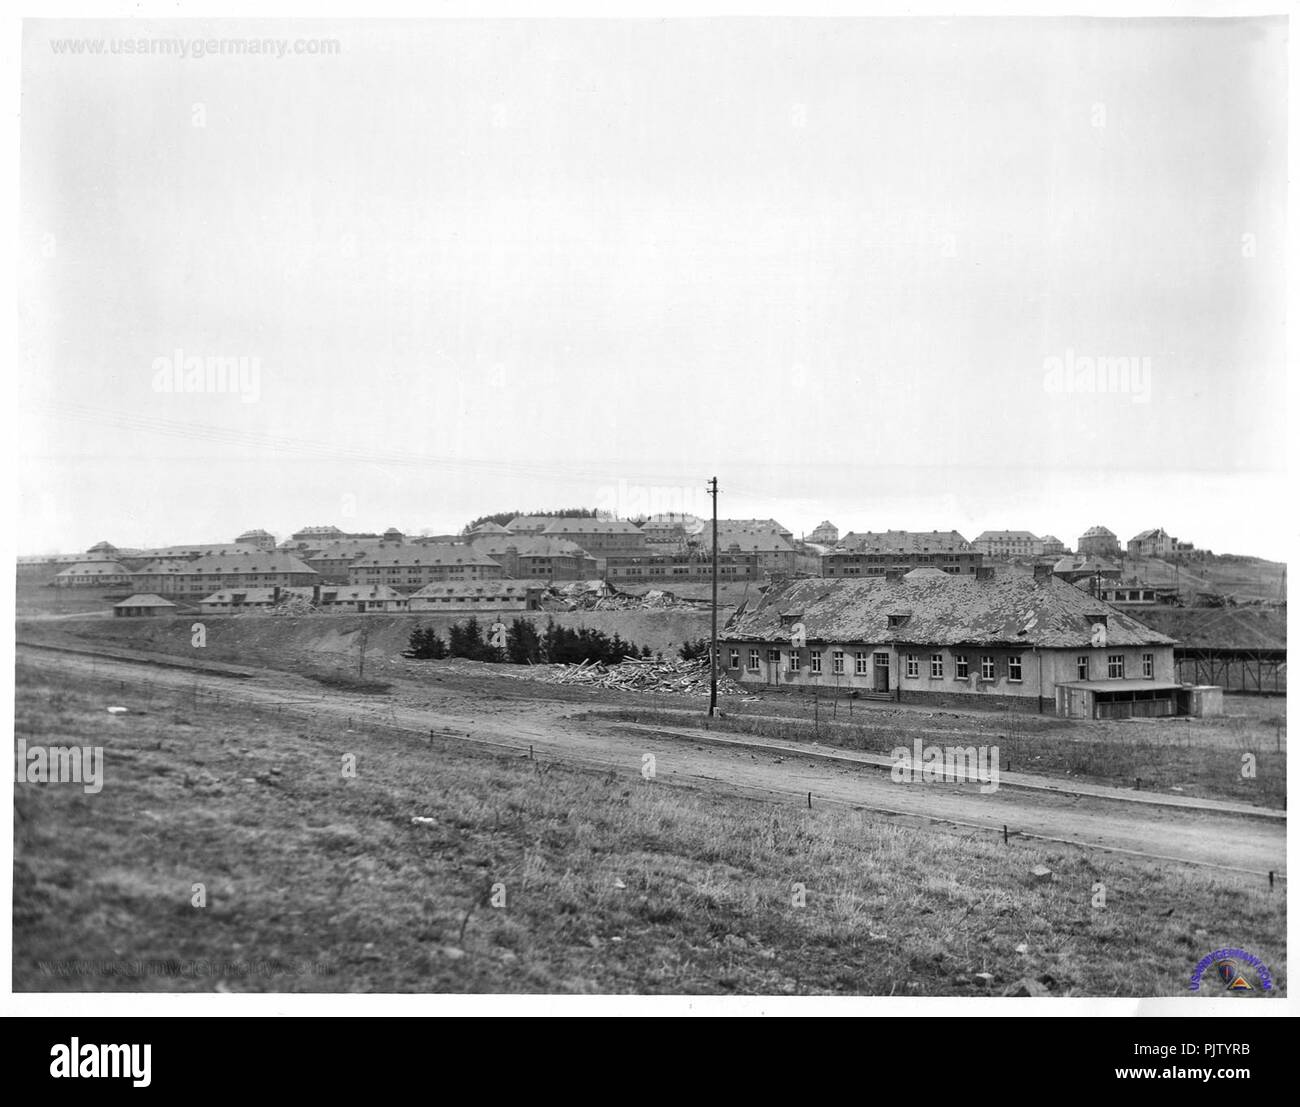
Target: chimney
x=1042, y=572
x=275, y=594
x=315, y=595
x=893, y=576
x=984, y=572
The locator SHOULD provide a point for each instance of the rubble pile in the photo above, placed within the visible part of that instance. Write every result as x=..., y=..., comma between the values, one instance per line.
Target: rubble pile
x=596, y=595
x=689, y=678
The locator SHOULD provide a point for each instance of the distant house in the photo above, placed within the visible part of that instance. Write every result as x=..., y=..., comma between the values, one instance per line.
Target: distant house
x=143, y=605
x=876, y=553
x=496, y=595
x=42, y=568
x=1052, y=546
x=825, y=534
x=365, y=598
x=93, y=574
x=530, y=524
x=601, y=538
x=929, y=636
x=311, y=535
x=1088, y=572
x=233, y=601
x=1009, y=543
x=332, y=560
x=259, y=539
x=1156, y=542
x=245, y=570
x=774, y=551
x=412, y=567
x=671, y=529
x=535, y=557
x=678, y=567
x=1099, y=542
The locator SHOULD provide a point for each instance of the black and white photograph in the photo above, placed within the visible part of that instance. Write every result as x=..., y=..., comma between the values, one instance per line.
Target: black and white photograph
x=758, y=511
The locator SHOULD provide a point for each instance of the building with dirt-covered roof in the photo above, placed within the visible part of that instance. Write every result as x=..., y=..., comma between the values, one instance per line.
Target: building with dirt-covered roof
x=931, y=636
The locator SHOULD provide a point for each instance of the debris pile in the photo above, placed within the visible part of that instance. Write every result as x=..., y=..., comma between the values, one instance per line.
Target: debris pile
x=690, y=678
x=597, y=595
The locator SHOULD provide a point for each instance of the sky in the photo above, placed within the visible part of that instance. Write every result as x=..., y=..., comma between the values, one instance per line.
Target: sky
x=921, y=274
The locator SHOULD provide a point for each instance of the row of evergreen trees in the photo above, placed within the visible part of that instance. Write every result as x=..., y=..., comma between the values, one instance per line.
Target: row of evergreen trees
x=524, y=643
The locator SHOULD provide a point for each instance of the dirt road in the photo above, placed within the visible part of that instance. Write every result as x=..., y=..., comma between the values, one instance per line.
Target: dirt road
x=553, y=732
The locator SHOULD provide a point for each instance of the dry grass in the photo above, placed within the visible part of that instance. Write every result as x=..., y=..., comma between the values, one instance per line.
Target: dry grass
x=1196, y=757
x=611, y=883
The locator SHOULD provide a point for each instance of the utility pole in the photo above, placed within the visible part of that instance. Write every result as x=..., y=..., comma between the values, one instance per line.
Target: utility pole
x=713, y=652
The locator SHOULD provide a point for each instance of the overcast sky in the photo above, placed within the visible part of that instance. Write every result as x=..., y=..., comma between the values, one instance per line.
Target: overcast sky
x=496, y=265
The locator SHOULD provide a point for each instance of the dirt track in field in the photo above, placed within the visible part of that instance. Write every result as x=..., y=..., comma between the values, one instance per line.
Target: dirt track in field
x=554, y=732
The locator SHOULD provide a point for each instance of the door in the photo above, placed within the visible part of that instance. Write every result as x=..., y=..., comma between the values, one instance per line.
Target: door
x=882, y=671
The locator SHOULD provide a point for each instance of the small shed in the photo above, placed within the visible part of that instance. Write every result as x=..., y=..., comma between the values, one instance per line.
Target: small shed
x=143, y=604
x=1119, y=699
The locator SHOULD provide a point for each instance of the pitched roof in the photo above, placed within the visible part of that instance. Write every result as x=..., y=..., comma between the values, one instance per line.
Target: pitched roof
x=248, y=561
x=570, y=525
x=769, y=525
x=749, y=541
x=527, y=545
x=1098, y=532
x=432, y=554
x=145, y=599
x=94, y=569
x=944, y=610
x=355, y=593
x=905, y=541
x=530, y=522
x=1004, y=534
x=252, y=595
x=346, y=548
x=509, y=589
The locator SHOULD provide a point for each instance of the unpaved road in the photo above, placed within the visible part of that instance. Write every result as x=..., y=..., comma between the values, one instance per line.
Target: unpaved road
x=1231, y=842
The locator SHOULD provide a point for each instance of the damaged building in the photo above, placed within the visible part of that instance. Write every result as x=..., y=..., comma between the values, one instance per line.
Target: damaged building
x=1032, y=642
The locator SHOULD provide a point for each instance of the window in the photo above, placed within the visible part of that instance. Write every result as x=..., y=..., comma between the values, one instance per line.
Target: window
x=963, y=667
x=735, y=659
x=988, y=668
x=815, y=661
x=753, y=660
x=860, y=663
x=837, y=661
x=1081, y=667
x=774, y=656
x=1115, y=666
x=913, y=665
x=1013, y=669
x=936, y=665
x=794, y=661
x=1149, y=666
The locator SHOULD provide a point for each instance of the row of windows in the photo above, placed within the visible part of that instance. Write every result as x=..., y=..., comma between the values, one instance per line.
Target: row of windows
x=961, y=662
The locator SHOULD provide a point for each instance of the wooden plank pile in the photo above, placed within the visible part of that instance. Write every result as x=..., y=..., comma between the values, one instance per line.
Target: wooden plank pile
x=690, y=678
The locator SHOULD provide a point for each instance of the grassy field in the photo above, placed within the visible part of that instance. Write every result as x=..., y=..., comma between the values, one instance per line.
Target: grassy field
x=1194, y=757
x=602, y=883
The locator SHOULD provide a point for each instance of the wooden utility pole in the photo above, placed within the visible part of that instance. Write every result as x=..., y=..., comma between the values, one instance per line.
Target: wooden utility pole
x=713, y=652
